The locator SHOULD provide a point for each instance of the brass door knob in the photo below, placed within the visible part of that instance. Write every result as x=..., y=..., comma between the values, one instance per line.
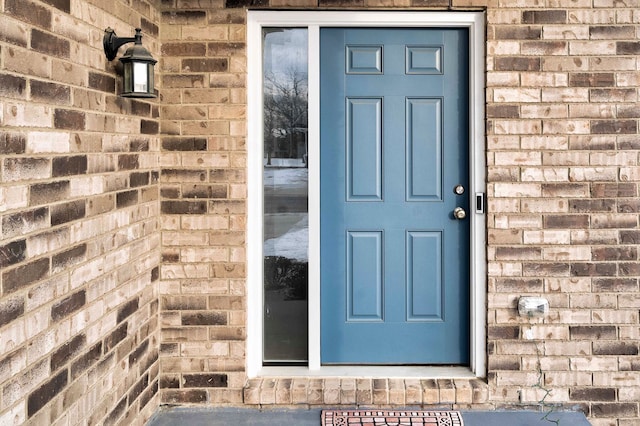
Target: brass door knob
x=459, y=213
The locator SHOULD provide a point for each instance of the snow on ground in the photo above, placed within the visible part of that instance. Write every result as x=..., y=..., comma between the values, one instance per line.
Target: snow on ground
x=286, y=177
x=284, y=162
x=292, y=245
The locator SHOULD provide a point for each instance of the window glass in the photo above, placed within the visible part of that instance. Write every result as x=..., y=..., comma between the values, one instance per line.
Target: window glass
x=285, y=177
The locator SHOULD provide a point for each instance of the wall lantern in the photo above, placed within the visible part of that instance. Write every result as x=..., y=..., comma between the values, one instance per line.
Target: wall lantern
x=137, y=61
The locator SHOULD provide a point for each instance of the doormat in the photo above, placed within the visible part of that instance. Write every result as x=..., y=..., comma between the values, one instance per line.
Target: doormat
x=390, y=418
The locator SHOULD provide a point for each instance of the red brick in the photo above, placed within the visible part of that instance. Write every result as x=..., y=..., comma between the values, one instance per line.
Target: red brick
x=593, y=332
x=29, y=11
x=46, y=392
x=593, y=394
x=184, y=49
x=544, y=17
x=205, y=380
x=49, y=44
x=22, y=276
x=68, y=305
x=12, y=86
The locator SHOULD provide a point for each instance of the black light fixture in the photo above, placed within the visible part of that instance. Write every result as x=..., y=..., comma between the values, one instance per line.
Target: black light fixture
x=137, y=61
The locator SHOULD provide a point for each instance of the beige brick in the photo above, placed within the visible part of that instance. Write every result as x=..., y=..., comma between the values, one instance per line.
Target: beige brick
x=519, y=158
x=447, y=391
x=565, y=95
x=27, y=115
x=591, y=47
x=544, y=142
x=15, y=415
x=331, y=391
x=630, y=173
x=557, y=64
x=503, y=142
x=615, y=316
x=364, y=391
x=507, y=236
x=380, y=391
x=519, y=221
x=591, y=363
x=546, y=363
x=503, y=79
x=13, y=197
x=592, y=111
x=535, y=395
x=503, y=48
x=505, y=269
x=204, y=254
x=507, y=316
x=593, y=174
x=27, y=62
x=587, y=16
x=268, y=391
x=567, y=378
x=548, y=332
x=314, y=391
x=348, y=391
x=611, y=64
x=516, y=347
x=413, y=390
x=606, y=377
x=498, y=16
x=464, y=392
x=396, y=392
x=569, y=285
x=518, y=378
x=565, y=159
x=299, y=391
x=430, y=393
x=629, y=79
x=565, y=32
x=543, y=111
x=567, y=253
x=522, y=127
x=532, y=174
x=547, y=237
x=517, y=190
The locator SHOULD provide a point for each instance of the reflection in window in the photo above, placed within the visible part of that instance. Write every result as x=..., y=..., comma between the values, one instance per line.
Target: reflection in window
x=286, y=235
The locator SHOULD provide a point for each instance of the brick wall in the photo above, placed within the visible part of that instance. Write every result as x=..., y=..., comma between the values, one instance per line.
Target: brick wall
x=203, y=203
x=90, y=253
x=79, y=215
x=562, y=154
x=563, y=217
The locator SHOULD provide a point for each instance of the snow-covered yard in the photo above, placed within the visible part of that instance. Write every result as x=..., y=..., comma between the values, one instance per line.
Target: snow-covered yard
x=286, y=233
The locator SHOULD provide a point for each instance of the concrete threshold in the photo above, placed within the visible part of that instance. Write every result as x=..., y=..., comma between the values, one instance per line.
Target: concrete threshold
x=227, y=416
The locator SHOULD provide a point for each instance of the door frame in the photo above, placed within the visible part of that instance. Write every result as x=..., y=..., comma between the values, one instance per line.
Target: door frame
x=313, y=21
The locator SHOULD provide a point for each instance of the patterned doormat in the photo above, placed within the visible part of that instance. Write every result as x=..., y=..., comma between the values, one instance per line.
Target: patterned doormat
x=390, y=418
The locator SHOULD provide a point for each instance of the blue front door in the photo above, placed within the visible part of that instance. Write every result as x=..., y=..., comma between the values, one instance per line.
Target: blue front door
x=394, y=148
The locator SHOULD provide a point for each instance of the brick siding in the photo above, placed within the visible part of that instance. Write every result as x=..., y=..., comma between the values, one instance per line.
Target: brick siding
x=122, y=259
x=79, y=214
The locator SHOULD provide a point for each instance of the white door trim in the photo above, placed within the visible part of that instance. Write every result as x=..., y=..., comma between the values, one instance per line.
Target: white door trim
x=314, y=20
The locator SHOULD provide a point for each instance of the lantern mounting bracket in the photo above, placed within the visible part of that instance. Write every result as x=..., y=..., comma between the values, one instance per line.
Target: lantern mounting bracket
x=112, y=42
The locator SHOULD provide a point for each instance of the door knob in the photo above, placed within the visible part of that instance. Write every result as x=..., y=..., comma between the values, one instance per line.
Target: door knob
x=459, y=213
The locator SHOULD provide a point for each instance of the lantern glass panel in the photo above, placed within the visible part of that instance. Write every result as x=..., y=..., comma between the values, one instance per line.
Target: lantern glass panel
x=140, y=77
x=128, y=85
